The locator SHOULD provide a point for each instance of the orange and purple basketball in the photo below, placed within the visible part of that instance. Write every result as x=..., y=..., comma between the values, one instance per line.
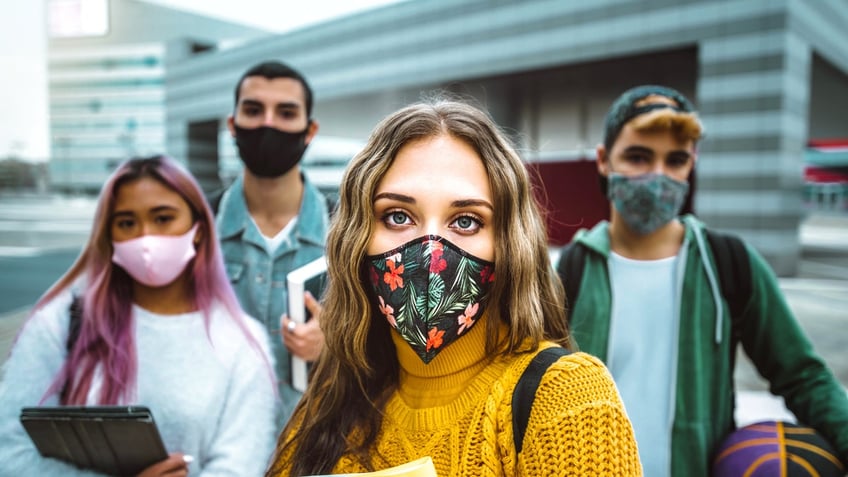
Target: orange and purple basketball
x=776, y=449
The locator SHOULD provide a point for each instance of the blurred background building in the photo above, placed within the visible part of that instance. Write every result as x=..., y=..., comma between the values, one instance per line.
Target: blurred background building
x=106, y=81
x=769, y=77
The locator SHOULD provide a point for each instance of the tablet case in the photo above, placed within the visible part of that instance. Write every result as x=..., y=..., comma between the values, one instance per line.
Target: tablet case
x=115, y=440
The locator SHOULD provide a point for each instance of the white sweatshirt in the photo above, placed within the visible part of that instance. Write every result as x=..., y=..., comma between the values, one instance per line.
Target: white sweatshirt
x=212, y=397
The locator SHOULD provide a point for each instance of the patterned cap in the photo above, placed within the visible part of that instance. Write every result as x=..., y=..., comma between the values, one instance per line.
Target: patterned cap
x=624, y=108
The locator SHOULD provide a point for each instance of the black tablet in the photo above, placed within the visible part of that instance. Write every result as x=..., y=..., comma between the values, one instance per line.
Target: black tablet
x=115, y=440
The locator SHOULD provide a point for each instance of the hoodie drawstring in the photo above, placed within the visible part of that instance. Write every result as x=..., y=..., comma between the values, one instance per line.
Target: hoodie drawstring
x=711, y=277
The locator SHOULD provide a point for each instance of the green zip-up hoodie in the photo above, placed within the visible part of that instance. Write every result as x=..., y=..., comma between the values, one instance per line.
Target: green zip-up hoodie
x=771, y=337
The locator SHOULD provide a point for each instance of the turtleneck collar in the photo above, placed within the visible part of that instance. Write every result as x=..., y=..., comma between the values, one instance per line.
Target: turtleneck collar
x=450, y=373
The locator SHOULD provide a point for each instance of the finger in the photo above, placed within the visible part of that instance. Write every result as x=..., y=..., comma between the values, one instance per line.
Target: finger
x=312, y=305
x=174, y=463
x=287, y=325
x=310, y=328
x=181, y=464
x=176, y=472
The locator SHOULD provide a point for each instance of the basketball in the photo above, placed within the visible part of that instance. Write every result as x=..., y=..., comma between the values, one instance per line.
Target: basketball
x=776, y=449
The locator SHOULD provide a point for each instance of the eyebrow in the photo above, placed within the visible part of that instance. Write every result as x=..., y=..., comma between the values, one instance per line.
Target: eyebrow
x=680, y=153
x=472, y=203
x=161, y=208
x=284, y=104
x=457, y=204
x=651, y=152
x=639, y=149
x=392, y=196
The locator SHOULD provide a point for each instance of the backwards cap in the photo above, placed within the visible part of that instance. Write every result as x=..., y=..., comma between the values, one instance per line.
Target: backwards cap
x=624, y=108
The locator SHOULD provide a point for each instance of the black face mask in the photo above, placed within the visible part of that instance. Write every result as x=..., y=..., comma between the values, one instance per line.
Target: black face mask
x=269, y=152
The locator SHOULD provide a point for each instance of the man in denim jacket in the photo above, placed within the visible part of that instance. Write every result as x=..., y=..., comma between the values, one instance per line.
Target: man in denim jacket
x=272, y=220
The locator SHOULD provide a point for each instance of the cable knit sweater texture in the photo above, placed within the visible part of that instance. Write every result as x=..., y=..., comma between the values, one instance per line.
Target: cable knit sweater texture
x=458, y=410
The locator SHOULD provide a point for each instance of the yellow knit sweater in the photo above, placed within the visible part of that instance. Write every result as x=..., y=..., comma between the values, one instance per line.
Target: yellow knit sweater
x=458, y=410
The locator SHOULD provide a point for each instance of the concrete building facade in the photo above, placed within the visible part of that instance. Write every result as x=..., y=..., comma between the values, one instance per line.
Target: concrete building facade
x=766, y=75
x=107, y=91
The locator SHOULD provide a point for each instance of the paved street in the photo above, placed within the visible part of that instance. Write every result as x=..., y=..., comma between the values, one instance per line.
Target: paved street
x=24, y=278
x=39, y=239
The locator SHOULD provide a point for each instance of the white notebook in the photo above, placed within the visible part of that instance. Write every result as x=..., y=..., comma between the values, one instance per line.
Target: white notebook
x=310, y=277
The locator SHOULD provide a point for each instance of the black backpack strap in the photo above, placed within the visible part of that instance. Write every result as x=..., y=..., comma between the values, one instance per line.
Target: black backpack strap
x=570, y=271
x=75, y=322
x=74, y=325
x=525, y=391
x=734, y=274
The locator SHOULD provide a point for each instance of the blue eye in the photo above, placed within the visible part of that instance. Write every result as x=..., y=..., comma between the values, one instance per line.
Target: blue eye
x=467, y=224
x=464, y=222
x=398, y=218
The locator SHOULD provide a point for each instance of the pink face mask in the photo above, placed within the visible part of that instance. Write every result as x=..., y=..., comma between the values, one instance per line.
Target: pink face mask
x=155, y=260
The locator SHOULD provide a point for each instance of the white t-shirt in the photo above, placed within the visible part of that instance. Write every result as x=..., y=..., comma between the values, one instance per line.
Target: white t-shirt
x=642, y=353
x=273, y=243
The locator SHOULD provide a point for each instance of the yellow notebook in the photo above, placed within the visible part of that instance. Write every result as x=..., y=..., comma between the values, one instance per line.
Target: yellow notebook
x=422, y=467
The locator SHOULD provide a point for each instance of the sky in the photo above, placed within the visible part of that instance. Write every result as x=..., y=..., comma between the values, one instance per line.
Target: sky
x=23, y=44
x=23, y=84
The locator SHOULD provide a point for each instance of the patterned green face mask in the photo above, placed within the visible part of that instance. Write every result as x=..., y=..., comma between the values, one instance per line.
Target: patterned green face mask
x=430, y=291
x=648, y=201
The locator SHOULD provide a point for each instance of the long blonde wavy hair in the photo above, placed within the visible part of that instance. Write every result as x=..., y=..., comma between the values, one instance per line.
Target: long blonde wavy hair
x=341, y=411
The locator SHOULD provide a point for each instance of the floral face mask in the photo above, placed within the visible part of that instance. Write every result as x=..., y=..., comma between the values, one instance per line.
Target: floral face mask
x=430, y=291
x=646, y=202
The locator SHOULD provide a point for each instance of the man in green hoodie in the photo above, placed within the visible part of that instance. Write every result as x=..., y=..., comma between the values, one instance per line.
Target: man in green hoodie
x=650, y=304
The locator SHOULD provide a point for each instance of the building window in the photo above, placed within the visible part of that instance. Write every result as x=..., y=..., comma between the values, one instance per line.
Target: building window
x=77, y=18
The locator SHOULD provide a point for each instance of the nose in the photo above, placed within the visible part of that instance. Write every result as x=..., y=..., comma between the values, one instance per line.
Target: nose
x=432, y=227
x=269, y=119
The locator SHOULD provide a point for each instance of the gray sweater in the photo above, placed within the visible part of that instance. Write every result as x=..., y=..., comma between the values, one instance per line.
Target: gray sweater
x=212, y=397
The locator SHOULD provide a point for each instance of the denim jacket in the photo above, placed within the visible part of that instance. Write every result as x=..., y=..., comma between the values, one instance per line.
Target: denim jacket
x=259, y=277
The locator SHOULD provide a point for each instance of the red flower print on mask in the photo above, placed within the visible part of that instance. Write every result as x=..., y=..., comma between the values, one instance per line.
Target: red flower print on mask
x=437, y=263
x=387, y=311
x=466, y=319
x=487, y=274
x=434, y=338
x=393, y=277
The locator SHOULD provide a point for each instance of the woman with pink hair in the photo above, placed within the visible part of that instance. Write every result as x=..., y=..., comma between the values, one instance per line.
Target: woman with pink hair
x=156, y=323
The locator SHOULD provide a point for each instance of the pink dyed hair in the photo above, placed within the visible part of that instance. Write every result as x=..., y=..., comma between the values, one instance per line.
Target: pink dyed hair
x=106, y=336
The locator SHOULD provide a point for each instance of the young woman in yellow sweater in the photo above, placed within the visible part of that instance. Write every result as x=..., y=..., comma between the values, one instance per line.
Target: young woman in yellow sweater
x=441, y=293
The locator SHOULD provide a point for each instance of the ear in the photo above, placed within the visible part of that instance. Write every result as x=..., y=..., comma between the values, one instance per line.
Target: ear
x=602, y=160
x=312, y=131
x=231, y=125
x=198, y=235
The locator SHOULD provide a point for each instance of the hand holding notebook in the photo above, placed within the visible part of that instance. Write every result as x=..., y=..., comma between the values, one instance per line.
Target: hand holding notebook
x=311, y=277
